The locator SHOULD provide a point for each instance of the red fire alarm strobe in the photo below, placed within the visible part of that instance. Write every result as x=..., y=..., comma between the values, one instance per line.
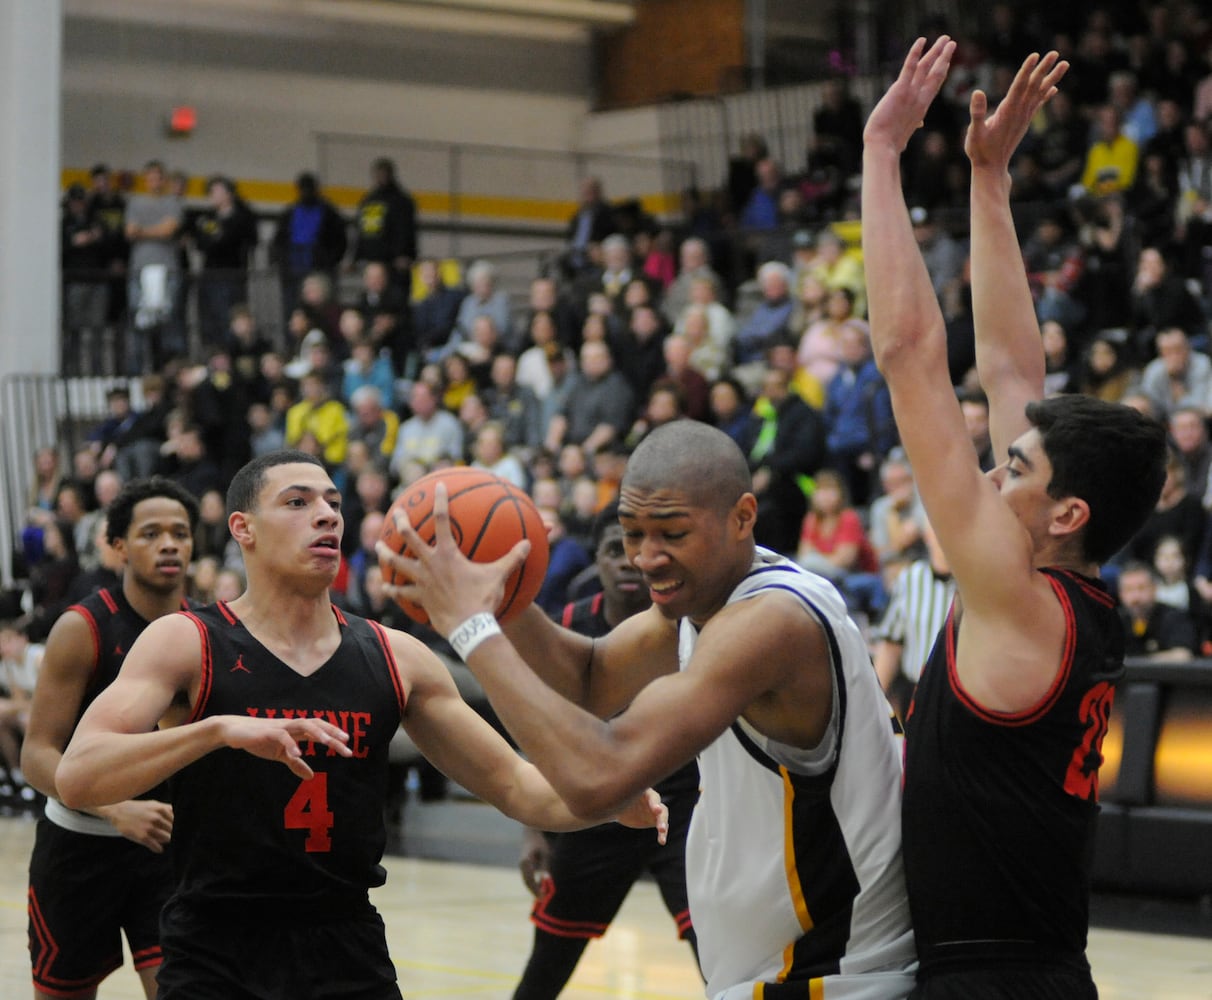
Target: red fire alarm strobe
x=182, y=120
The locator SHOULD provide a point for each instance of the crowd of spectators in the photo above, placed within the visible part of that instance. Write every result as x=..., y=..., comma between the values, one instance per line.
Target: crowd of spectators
x=747, y=312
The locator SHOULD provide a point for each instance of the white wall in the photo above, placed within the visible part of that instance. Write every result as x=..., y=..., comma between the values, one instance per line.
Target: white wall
x=29, y=161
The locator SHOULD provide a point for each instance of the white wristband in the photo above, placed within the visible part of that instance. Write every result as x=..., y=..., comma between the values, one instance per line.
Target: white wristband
x=472, y=632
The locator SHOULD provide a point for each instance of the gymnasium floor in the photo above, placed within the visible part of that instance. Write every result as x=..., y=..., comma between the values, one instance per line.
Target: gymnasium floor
x=459, y=930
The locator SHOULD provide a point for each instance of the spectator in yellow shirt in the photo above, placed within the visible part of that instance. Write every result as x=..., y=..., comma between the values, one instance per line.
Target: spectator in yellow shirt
x=321, y=416
x=1112, y=158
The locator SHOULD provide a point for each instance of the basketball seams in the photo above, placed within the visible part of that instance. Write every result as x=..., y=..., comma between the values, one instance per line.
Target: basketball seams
x=474, y=527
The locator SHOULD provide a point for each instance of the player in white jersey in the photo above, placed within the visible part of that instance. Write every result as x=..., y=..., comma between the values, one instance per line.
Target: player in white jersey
x=748, y=662
x=803, y=839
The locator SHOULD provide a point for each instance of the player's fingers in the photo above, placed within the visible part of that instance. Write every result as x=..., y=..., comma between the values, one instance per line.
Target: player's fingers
x=912, y=58
x=514, y=558
x=978, y=107
x=441, y=514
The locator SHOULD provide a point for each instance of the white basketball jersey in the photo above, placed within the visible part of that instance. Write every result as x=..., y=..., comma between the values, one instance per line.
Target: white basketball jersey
x=793, y=861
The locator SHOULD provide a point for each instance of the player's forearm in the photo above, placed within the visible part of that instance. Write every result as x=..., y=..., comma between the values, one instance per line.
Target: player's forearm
x=904, y=314
x=560, y=657
x=573, y=749
x=38, y=763
x=101, y=768
x=533, y=802
x=1009, y=352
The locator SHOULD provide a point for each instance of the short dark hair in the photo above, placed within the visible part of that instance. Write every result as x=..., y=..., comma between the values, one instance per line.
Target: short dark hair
x=246, y=485
x=692, y=456
x=1108, y=455
x=121, y=511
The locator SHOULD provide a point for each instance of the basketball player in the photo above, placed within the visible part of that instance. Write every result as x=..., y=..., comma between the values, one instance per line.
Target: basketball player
x=97, y=874
x=281, y=676
x=581, y=879
x=793, y=864
x=1005, y=730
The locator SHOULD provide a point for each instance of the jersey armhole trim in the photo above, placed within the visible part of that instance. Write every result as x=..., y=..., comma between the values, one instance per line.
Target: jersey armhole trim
x=393, y=668
x=206, y=673
x=95, y=630
x=1034, y=712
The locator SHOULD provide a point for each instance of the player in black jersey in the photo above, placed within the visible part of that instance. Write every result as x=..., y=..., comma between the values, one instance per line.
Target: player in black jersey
x=581, y=879
x=100, y=873
x=1005, y=731
x=280, y=676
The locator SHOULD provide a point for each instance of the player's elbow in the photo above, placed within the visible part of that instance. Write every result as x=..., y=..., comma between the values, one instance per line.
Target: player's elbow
x=74, y=785
x=598, y=797
x=909, y=348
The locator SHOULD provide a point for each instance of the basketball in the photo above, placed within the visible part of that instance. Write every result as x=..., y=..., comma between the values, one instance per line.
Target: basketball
x=488, y=517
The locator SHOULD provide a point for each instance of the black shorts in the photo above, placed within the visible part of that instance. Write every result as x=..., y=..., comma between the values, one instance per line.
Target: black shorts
x=84, y=893
x=593, y=870
x=212, y=954
x=1012, y=981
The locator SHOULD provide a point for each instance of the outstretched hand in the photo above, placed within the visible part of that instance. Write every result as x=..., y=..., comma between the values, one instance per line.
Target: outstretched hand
x=902, y=109
x=992, y=139
x=449, y=586
x=282, y=740
x=647, y=811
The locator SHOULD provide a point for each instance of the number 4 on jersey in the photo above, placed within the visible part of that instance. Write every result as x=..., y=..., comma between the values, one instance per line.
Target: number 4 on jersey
x=308, y=810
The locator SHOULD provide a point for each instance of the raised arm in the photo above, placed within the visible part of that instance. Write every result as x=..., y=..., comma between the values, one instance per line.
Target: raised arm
x=117, y=752
x=1009, y=352
x=907, y=328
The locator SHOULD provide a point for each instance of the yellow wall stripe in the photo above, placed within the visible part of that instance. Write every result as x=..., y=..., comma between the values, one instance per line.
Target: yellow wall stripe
x=435, y=203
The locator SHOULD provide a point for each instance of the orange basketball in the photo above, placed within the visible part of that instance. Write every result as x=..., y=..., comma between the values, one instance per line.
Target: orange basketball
x=488, y=517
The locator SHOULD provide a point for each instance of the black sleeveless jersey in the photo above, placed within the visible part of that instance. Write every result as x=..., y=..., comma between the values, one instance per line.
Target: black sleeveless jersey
x=248, y=830
x=588, y=617
x=115, y=626
x=999, y=809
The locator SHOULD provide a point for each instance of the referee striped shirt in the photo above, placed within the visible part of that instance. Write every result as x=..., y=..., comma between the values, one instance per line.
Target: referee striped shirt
x=916, y=612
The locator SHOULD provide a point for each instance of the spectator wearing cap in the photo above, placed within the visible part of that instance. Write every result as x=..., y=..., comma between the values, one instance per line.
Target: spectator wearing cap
x=943, y=255
x=314, y=354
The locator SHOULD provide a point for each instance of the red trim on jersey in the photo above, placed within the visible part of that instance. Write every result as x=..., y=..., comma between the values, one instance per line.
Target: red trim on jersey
x=95, y=629
x=1045, y=704
x=393, y=670
x=685, y=924
x=339, y=614
x=207, y=672
x=566, y=617
x=1089, y=589
x=225, y=611
x=108, y=598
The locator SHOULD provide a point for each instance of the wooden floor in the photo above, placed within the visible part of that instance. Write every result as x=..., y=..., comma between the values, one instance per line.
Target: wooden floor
x=460, y=930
